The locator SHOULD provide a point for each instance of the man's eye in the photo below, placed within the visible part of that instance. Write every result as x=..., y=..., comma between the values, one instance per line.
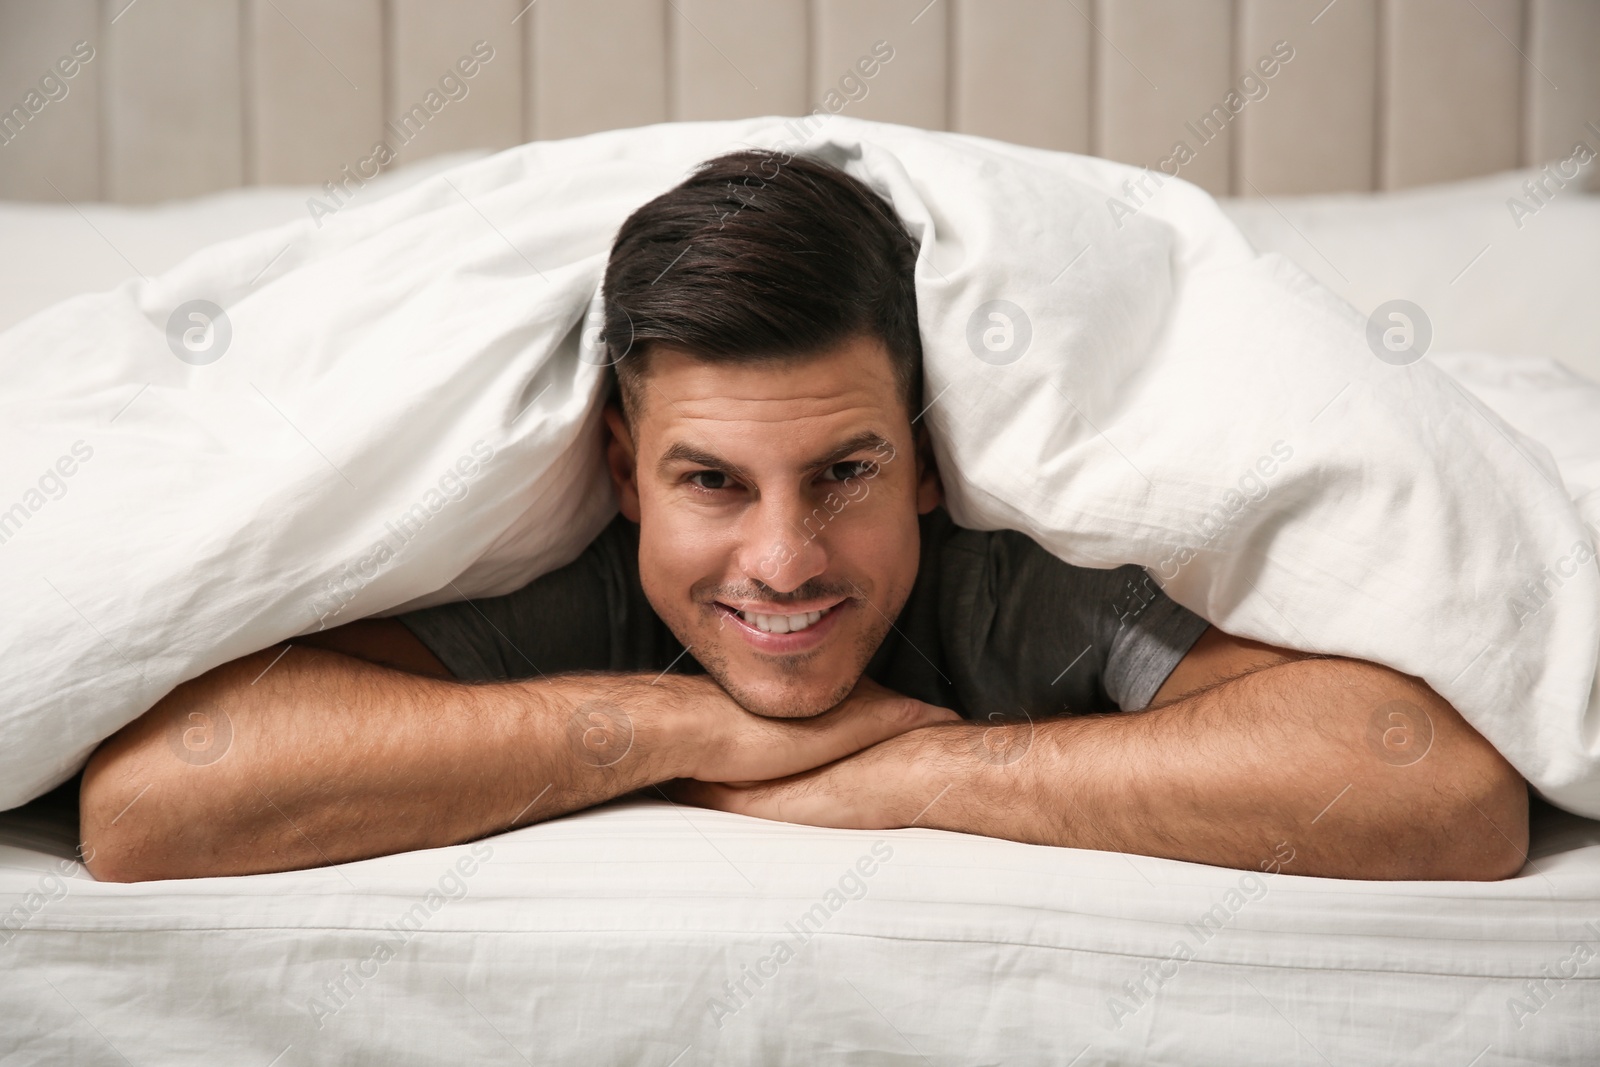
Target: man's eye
x=709, y=479
x=855, y=468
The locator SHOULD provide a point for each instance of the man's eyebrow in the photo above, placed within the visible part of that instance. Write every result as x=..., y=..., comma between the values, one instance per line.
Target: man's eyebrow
x=687, y=453
x=866, y=439
x=682, y=452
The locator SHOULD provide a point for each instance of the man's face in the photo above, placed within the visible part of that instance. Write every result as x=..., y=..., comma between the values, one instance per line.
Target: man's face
x=777, y=507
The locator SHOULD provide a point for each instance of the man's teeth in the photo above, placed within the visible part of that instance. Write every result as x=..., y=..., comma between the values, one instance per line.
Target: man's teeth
x=780, y=624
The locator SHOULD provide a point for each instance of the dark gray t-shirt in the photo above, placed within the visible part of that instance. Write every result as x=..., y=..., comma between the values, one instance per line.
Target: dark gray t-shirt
x=994, y=625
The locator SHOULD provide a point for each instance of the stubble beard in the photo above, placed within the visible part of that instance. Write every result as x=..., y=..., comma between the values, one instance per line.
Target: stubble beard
x=795, y=705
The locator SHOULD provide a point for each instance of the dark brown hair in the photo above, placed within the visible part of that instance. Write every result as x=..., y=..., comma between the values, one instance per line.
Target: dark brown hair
x=760, y=257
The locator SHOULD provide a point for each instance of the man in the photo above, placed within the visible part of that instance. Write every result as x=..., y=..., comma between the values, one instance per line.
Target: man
x=784, y=622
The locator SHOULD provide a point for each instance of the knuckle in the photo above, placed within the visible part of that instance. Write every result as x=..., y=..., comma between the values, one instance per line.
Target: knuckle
x=904, y=712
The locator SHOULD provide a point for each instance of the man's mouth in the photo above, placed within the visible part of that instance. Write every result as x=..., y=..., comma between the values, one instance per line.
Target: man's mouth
x=781, y=624
x=777, y=631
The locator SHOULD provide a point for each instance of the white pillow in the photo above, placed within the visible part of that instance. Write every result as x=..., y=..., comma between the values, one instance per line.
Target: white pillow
x=54, y=251
x=1490, y=277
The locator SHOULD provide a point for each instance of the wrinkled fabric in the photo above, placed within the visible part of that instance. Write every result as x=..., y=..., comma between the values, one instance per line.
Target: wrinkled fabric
x=406, y=412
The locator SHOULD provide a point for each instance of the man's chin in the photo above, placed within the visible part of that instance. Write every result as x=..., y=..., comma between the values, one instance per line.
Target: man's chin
x=800, y=686
x=786, y=699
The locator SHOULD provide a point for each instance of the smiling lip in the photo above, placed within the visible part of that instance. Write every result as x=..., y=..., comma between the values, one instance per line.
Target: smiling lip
x=786, y=643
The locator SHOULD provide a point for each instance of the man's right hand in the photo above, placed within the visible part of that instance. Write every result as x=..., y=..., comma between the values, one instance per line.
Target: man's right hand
x=354, y=743
x=738, y=746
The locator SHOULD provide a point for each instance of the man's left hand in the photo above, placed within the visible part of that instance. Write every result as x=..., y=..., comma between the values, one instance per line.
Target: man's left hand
x=878, y=788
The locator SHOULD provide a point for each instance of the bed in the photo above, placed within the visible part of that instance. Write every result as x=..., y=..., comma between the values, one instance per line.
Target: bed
x=643, y=932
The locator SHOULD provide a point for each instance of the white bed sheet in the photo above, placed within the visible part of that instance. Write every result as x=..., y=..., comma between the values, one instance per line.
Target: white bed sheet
x=607, y=937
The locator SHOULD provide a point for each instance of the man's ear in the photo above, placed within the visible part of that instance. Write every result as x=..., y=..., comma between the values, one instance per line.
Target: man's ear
x=930, y=490
x=623, y=462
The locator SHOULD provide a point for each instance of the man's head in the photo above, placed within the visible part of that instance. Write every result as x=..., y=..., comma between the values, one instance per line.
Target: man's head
x=761, y=317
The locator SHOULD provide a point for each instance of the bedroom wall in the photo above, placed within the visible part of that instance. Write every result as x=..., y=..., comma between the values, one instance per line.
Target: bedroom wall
x=183, y=97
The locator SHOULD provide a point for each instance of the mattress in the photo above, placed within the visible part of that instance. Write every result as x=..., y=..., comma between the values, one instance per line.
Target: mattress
x=643, y=932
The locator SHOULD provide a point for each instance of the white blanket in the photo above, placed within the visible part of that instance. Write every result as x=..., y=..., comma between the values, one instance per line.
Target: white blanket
x=401, y=409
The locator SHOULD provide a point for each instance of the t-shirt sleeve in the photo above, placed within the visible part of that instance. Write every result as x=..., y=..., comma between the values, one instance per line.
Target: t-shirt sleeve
x=1153, y=634
x=1030, y=633
x=563, y=621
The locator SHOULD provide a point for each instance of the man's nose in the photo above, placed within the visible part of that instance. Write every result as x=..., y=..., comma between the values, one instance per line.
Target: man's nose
x=783, y=543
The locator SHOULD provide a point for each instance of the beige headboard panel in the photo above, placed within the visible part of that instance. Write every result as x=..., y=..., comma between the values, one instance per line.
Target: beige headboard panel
x=183, y=97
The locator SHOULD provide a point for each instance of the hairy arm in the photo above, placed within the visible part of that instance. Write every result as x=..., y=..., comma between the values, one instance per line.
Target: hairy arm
x=300, y=756
x=1249, y=754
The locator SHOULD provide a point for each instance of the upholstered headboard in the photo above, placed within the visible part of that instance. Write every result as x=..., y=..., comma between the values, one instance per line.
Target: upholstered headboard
x=171, y=98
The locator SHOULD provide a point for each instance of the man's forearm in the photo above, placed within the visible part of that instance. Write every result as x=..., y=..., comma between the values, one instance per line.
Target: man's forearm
x=1351, y=769
x=311, y=757
x=330, y=758
x=1360, y=771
